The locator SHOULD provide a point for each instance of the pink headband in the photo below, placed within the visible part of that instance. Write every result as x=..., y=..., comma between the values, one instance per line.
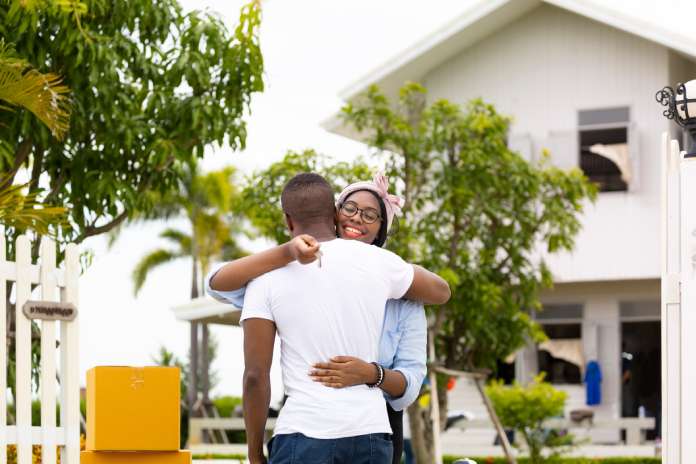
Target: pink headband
x=380, y=186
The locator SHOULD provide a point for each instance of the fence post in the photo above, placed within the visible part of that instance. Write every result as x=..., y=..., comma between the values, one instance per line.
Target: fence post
x=688, y=308
x=23, y=352
x=48, y=354
x=671, y=301
x=678, y=304
x=69, y=358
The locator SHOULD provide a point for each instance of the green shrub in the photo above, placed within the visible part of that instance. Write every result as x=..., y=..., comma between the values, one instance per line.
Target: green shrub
x=525, y=408
x=227, y=457
x=226, y=404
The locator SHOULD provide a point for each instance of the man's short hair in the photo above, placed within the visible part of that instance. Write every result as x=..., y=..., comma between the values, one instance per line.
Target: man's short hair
x=308, y=199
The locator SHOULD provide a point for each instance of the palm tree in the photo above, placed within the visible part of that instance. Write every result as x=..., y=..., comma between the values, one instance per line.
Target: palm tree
x=40, y=93
x=21, y=211
x=213, y=237
x=210, y=204
x=44, y=96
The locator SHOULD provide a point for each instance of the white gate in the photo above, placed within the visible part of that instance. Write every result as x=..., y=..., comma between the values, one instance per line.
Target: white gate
x=55, y=285
x=678, y=304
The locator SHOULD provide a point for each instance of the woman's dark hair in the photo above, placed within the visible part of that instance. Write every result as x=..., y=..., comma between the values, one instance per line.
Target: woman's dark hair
x=381, y=238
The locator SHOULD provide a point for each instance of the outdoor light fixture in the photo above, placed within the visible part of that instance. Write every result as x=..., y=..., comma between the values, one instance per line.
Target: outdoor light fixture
x=681, y=107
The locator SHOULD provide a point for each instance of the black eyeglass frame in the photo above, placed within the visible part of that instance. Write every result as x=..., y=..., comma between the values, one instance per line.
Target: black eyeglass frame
x=361, y=211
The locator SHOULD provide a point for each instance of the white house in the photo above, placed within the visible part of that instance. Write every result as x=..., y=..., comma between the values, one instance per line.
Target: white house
x=574, y=75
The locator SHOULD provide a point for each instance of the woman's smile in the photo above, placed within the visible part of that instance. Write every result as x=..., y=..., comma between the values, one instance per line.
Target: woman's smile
x=352, y=231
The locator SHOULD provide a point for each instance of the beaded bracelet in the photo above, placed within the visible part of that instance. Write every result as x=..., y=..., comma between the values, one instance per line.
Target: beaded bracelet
x=380, y=376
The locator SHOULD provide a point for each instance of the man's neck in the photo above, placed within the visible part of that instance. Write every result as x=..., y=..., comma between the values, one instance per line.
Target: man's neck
x=322, y=233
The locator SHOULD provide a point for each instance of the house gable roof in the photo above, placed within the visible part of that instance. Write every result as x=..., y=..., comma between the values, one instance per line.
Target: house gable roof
x=479, y=21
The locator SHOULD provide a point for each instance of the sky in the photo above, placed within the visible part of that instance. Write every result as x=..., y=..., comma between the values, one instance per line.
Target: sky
x=313, y=49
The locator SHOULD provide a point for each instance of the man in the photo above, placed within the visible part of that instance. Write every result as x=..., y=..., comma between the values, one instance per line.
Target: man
x=332, y=307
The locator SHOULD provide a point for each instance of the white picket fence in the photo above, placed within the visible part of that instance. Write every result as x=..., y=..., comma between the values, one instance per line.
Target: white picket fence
x=678, y=304
x=54, y=285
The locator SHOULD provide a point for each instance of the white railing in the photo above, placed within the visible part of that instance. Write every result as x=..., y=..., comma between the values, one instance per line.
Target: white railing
x=678, y=304
x=57, y=285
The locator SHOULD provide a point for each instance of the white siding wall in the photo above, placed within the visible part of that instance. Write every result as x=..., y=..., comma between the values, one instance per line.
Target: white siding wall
x=542, y=69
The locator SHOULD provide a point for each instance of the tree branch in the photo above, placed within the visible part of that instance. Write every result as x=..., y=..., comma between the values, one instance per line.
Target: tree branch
x=21, y=155
x=36, y=170
x=55, y=188
x=96, y=230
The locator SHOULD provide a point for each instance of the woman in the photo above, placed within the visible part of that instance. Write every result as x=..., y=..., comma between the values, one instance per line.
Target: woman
x=365, y=212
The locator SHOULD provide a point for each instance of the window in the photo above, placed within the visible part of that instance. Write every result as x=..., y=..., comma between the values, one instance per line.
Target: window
x=603, y=139
x=561, y=354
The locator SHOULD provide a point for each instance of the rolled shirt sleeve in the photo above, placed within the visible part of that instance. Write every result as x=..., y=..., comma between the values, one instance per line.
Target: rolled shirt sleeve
x=404, y=341
x=234, y=297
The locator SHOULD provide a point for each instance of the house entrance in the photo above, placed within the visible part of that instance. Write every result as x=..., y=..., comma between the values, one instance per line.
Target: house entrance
x=641, y=371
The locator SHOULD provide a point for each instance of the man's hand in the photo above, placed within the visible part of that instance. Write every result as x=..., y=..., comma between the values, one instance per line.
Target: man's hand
x=344, y=371
x=304, y=248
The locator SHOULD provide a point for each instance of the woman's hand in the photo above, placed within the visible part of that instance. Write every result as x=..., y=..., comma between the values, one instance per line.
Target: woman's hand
x=344, y=371
x=303, y=248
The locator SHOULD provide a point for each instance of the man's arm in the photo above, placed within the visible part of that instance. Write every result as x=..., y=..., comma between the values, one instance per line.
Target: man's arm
x=238, y=273
x=259, y=336
x=428, y=287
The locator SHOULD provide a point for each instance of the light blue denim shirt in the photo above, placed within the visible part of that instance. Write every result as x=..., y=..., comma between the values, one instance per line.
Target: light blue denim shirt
x=402, y=344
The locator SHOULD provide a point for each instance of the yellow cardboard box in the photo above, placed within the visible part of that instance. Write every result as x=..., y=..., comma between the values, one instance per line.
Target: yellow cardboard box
x=135, y=457
x=133, y=409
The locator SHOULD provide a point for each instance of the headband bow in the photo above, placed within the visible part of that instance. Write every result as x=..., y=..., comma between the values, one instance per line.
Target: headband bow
x=382, y=184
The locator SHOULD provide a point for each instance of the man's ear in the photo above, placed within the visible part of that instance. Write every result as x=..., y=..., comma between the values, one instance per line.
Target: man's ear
x=288, y=222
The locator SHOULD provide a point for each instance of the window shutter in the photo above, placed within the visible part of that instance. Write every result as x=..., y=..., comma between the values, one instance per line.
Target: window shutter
x=521, y=144
x=634, y=154
x=563, y=146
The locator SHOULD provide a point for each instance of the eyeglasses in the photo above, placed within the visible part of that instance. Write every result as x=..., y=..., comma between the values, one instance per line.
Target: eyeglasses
x=369, y=215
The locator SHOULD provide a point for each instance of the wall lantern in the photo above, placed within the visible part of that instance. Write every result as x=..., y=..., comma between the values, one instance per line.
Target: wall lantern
x=681, y=107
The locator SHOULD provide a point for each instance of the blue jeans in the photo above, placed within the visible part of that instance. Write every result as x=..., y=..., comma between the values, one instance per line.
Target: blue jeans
x=295, y=448
x=408, y=452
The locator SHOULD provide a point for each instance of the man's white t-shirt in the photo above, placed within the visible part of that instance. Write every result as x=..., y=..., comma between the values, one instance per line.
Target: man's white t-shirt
x=320, y=312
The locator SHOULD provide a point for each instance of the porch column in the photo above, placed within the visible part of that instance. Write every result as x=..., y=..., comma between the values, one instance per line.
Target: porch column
x=526, y=363
x=205, y=374
x=193, y=369
x=601, y=333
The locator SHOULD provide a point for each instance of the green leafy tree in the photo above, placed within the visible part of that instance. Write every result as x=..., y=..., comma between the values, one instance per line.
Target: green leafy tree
x=261, y=196
x=525, y=408
x=150, y=85
x=479, y=215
